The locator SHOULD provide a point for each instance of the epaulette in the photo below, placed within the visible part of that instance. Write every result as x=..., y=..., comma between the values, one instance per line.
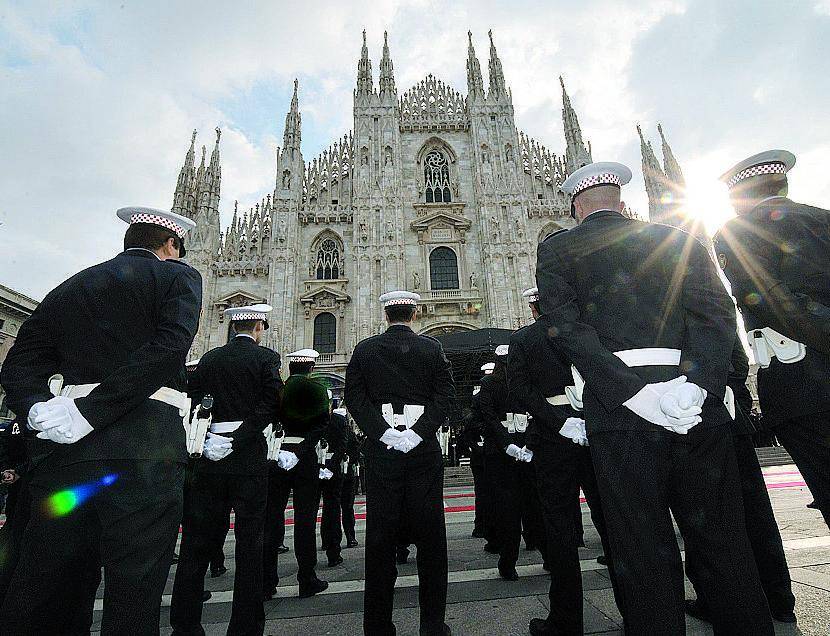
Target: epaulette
x=178, y=262
x=552, y=234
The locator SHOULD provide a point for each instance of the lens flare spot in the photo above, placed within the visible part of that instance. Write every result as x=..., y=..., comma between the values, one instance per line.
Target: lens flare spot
x=752, y=298
x=62, y=503
x=776, y=215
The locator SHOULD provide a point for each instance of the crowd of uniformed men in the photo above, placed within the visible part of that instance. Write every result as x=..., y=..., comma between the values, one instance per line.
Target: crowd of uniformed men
x=629, y=386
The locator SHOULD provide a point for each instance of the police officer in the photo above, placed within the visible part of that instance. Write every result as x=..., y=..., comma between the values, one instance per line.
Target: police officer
x=399, y=389
x=351, y=467
x=509, y=471
x=330, y=530
x=776, y=255
x=537, y=377
x=304, y=417
x=472, y=443
x=761, y=527
x=491, y=544
x=243, y=378
x=640, y=312
x=107, y=464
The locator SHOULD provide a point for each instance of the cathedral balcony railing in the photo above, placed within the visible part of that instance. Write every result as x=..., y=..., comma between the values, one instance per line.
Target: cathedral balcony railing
x=451, y=302
x=331, y=360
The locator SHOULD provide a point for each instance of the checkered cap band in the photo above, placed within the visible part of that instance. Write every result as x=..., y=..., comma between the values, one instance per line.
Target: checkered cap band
x=754, y=171
x=159, y=220
x=400, y=301
x=605, y=178
x=302, y=359
x=249, y=315
x=532, y=298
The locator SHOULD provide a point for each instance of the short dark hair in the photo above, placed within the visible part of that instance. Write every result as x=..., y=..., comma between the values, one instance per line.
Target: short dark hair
x=245, y=326
x=400, y=313
x=149, y=236
x=300, y=367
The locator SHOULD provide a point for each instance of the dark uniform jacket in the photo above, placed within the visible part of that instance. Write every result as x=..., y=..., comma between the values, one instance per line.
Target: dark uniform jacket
x=495, y=403
x=535, y=371
x=127, y=323
x=777, y=260
x=305, y=412
x=336, y=436
x=399, y=367
x=614, y=283
x=244, y=380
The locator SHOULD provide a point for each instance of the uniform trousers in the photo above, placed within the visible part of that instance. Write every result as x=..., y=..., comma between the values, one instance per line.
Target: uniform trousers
x=405, y=489
x=561, y=469
x=515, y=502
x=211, y=496
x=347, y=492
x=644, y=477
x=122, y=514
x=304, y=480
x=477, y=468
x=761, y=528
x=807, y=440
x=331, y=533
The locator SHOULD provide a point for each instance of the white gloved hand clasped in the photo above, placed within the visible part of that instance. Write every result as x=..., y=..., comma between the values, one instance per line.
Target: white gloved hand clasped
x=514, y=451
x=682, y=403
x=391, y=437
x=409, y=440
x=526, y=455
x=325, y=473
x=646, y=404
x=574, y=430
x=287, y=460
x=59, y=420
x=217, y=447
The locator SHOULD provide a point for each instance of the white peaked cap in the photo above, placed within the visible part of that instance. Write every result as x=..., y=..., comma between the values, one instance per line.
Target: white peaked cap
x=531, y=295
x=488, y=367
x=767, y=162
x=596, y=174
x=303, y=355
x=176, y=223
x=399, y=298
x=502, y=350
x=248, y=312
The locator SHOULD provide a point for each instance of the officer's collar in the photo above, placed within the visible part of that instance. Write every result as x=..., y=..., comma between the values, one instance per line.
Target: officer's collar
x=244, y=335
x=398, y=326
x=771, y=200
x=140, y=251
x=600, y=214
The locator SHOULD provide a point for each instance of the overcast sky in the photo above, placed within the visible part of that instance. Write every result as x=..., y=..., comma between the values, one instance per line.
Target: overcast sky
x=98, y=99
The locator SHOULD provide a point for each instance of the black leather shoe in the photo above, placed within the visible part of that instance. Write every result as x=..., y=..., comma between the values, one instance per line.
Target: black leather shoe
x=333, y=563
x=218, y=571
x=602, y=559
x=351, y=543
x=444, y=630
x=696, y=609
x=492, y=549
x=508, y=574
x=540, y=626
x=269, y=593
x=784, y=616
x=315, y=587
x=478, y=534
x=282, y=549
x=206, y=595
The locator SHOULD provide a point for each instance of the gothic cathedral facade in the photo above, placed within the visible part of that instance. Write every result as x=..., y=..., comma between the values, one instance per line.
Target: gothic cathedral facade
x=432, y=191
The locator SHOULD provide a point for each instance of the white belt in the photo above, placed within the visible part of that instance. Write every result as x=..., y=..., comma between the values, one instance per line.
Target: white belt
x=292, y=440
x=164, y=394
x=329, y=456
x=224, y=427
x=767, y=344
x=558, y=400
x=410, y=415
x=515, y=422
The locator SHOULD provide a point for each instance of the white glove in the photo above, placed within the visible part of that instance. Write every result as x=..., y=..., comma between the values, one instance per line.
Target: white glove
x=391, y=437
x=217, y=447
x=287, y=460
x=646, y=404
x=325, y=473
x=574, y=430
x=59, y=420
x=409, y=440
x=514, y=451
x=526, y=455
x=683, y=402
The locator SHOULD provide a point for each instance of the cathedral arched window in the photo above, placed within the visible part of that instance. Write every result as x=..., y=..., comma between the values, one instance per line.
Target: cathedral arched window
x=436, y=178
x=328, y=260
x=325, y=333
x=443, y=269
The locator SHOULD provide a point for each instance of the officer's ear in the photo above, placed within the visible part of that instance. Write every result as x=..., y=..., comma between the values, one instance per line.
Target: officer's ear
x=622, y=207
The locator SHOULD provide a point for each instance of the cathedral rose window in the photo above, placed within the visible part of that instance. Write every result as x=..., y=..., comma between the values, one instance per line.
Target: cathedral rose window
x=436, y=178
